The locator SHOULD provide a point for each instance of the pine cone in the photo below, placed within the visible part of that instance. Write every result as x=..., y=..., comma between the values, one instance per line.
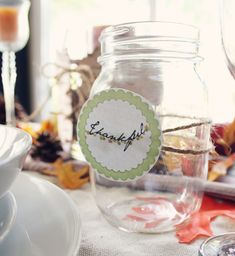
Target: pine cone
x=47, y=148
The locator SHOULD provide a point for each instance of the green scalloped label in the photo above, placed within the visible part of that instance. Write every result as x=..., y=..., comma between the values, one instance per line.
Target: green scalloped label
x=119, y=134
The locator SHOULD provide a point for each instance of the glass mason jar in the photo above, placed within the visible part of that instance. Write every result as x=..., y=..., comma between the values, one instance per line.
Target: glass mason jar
x=157, y=60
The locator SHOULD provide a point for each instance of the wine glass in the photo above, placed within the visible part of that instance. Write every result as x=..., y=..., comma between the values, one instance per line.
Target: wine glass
x=227, y=21
x=224, y=244
x=14, y=34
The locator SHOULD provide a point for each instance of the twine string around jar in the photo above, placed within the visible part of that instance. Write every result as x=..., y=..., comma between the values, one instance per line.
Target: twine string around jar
x=184, y=127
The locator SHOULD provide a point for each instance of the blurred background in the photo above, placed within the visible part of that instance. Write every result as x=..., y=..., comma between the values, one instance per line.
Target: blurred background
x=74, y=25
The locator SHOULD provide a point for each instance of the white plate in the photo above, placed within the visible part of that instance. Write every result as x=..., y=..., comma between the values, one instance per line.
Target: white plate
x=8, y=209
x=47, y=222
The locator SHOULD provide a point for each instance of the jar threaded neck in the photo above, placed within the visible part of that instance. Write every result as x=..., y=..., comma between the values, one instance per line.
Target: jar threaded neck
x=142, y=40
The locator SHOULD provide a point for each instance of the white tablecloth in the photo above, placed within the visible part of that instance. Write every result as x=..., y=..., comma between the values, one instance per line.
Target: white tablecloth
x=99, y=238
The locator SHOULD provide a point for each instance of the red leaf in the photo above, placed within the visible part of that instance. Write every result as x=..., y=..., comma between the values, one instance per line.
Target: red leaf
x=199, y=223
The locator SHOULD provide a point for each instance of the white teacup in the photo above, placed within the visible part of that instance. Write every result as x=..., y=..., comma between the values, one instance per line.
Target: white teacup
x=14, y=146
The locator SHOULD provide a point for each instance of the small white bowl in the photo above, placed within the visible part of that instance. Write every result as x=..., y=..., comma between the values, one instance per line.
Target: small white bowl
x=14, y=146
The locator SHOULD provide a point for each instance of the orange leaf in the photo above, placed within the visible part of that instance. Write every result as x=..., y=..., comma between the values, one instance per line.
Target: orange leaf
x=229, y=133
x=220, y=168
x=67, y=175
x=199, y=223
x=48, y=126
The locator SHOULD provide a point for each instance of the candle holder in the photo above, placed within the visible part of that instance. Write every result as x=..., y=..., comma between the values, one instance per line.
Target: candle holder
x=14, y=34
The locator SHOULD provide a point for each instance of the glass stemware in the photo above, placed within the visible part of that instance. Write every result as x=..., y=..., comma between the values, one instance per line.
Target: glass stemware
x=221, y=245
x=14, y=34
x=227, y=21
x=224, y=244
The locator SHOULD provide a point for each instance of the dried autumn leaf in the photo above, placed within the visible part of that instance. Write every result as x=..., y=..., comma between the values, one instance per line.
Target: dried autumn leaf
x=48, y=126
x=199, y=223
x=229, y=133
x=68, y=176
x=70, y=179
x=223, y=137
x=220, y=168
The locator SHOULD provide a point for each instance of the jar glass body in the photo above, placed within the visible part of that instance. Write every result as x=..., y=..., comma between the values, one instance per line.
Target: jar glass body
x=172, y=190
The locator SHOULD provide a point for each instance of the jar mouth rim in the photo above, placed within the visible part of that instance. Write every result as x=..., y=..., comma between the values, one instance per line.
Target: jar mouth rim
x=150, y=39
x=120, y=29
